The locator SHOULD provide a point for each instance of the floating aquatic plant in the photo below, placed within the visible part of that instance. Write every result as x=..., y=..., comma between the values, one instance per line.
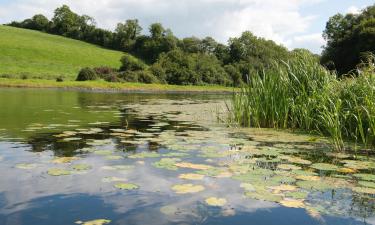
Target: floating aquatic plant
x=193, y=166
x=167, y=163
x=187, y=188
x=94, y=222
x=64, y=159
x=324, y=166
x=58, y=172
x=126, y=186
x=26, y=166
x=213, y=201
x=191, y=176
x=80, y=167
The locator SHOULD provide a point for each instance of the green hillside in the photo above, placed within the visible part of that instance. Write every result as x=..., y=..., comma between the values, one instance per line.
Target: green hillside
x=41, y=55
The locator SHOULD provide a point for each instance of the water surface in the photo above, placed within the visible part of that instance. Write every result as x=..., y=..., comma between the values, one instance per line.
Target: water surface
x=70, y=157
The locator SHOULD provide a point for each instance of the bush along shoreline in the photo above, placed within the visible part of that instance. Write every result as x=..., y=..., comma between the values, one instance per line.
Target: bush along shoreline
x=301, y=94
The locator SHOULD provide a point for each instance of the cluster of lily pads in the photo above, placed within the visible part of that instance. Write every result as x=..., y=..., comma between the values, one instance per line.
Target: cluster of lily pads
x=291, y=170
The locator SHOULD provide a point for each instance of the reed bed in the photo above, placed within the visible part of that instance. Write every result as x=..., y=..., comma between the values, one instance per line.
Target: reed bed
x=301, y=94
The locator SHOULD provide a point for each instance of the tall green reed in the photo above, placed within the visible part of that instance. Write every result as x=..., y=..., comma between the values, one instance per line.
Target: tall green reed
x=301, y=94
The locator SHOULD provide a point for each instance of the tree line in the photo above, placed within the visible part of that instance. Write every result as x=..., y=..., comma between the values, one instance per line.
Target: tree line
x=162, y=57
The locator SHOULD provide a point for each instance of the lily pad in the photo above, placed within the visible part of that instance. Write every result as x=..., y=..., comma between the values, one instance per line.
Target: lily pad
x=364, y=176
x=314, y=185
x=62, y=160
x=191, y=176
x=367, y=184
x=297, y=194
x=94, y=222
x=324, y=166
x=263, y=195
x=193, y=166
x=80, y=167
x=364, y=190
x=187, y=188
x=58, y=172
x=126, y=186
x=212, y=201
x=26, y=166
x=288, y=167
x=292, y=203
x=167, y=163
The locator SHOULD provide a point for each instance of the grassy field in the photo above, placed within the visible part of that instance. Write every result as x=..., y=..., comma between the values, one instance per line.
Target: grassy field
x=108, y=86
x=40, y=55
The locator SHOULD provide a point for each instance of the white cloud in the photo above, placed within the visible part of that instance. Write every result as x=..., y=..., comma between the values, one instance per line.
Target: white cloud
x=278, y=20
x=353, y=10
x=314, y=42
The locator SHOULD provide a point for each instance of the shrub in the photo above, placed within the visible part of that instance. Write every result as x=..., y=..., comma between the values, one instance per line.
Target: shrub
x=24, y=76
x=104, y=70
x=130, y=63
x=143, y=76
x=86, y=74
x=112, y=78
x=60, y=79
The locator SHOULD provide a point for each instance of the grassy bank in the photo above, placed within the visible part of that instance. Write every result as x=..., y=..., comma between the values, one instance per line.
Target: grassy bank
x=108, y=86
x=301, y=94
x=40, y=55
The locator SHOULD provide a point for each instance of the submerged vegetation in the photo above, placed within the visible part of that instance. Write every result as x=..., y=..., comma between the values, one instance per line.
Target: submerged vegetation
x=301, y=94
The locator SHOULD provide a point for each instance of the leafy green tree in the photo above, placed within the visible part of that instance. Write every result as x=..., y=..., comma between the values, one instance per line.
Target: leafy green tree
x=127, y=34
x=349, y=37
x=66, y=22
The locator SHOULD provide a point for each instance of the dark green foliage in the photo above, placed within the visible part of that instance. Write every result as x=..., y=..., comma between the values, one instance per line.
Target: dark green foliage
x=188, y=61
x=349, y=38
x=86, y=74
x=143, y=76
x=256, y=53
x=130, y=63
x=60, y=79
x=179, y=67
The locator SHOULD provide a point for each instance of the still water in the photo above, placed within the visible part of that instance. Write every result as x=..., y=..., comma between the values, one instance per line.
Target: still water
x=71, y=157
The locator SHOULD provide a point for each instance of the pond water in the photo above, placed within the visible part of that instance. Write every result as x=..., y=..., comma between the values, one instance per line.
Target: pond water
x=71, y=157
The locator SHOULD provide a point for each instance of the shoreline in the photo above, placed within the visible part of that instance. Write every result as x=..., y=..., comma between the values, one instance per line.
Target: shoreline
x=104, y=86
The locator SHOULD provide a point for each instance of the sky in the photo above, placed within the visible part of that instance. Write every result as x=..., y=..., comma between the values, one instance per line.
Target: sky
x=292, y=23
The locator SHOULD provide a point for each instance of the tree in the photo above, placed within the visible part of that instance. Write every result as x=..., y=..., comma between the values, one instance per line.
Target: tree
x=66, y=22
x=251, y=54
x=157, y=31
x=348, y=37
x=127, y=33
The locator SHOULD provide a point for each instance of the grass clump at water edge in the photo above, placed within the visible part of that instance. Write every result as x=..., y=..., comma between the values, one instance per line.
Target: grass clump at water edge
x=301, y=94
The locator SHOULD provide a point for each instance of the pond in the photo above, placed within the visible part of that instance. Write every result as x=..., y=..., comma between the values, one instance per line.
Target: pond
x=74, y=157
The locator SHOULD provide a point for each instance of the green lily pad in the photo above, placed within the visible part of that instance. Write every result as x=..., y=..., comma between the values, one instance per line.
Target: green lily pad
x=213, y=201
x=364, y=176
x=26, y=166
x=288, y=167
x=94, y=222
x=187, y=188
x=364, y=190
x=367, y=184
x=314, y=185
x=58, y=172
x=324, y=166
x=103, y=152
x=167, y=163
x=80, y=167
x=263, y=195
x=297, y=195
x=126, y=186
